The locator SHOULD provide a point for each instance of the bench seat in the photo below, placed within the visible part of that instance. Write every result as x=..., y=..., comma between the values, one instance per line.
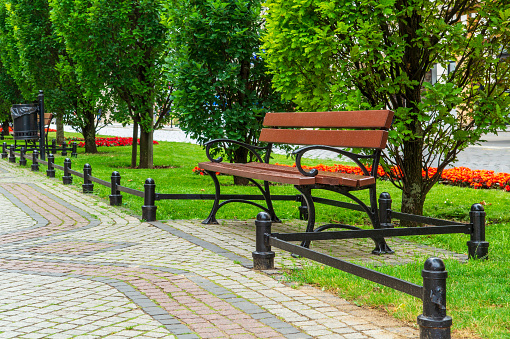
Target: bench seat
x=287, y=175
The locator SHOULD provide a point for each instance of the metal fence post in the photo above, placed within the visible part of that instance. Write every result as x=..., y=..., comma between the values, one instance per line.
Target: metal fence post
x=88, y=186
x=434, y=323
x=53, y=146
x=385, y=210
x=67, y=178
x=50, y=172
x=263, y=257
x=22, y=159
x=35, y=165
x=115, y=196
x=478, y=248
x=42, y=131
x=4, y=150
x=64, y=149
x=12, y=157
x=74, y=150
x=148, y=208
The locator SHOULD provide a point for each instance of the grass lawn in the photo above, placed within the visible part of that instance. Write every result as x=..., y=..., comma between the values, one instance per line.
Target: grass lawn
x=478, y=297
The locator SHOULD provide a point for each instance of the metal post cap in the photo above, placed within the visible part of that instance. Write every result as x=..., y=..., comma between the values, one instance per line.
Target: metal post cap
x=149, y=181
x=477, y=207
x=87, y=166
x=263, y=216
x=384, y=195
x=434, y=264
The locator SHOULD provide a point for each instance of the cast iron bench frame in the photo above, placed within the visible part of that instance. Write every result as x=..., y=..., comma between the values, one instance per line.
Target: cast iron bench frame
x=366, y=130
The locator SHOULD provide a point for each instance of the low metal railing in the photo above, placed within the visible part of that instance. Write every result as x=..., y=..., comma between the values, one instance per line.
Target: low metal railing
x=477, y=246
x=433, y=322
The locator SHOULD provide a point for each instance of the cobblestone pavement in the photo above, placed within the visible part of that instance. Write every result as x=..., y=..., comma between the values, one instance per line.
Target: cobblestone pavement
x=73, y=266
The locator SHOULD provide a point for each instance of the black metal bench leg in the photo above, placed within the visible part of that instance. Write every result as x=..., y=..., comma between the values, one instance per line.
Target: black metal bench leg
x=269, y=203
x=307, y=196
x=211, y=219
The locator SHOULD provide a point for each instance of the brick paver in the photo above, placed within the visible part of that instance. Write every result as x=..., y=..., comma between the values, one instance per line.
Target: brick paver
x=72, y=266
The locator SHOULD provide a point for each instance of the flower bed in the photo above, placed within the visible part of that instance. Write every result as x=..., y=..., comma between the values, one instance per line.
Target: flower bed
x=457, y=176
x=199, y=171
x=114, y=141
x=47, y=130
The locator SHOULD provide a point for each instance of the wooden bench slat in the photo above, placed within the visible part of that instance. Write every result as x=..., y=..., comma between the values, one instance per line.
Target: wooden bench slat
x=335, y=138
x=47, y=119
x=241, y=170
x=376, y=119
x=326, y=178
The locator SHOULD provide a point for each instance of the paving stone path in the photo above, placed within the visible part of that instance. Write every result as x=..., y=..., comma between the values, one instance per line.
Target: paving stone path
x=73, y=266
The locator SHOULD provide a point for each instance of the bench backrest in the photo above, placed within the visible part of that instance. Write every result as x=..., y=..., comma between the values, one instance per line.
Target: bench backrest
x=47, y=119
x=358, y=129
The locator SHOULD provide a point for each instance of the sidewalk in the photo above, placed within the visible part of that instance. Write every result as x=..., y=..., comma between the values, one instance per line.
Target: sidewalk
x=73, y=266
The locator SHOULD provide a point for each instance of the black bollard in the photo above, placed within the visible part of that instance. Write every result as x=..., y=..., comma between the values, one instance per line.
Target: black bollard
x=87, y=186
x=263, y=257
x=115, y=196
x=22, y=159
x=53, y=146
x=4, y=150
x=35, y=165
x=64, y=149
x=148, y=208
x=50, y=172
x=12, y=157
x=67, y=178
x=303, y=208
x=434, y=323
x=478, y=248
x=74, y=150
x=385, y=210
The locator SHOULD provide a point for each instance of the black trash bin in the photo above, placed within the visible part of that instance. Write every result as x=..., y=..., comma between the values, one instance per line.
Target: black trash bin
x=25, y=120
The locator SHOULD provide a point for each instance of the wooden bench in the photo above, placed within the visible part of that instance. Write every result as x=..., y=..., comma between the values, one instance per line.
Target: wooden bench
x=330, y=131
x=48, y=117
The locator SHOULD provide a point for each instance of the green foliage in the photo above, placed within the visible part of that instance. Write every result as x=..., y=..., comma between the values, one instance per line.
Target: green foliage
x=223, y=89
x=30, y=50
x=9, y=94
x=117, y=48
x=322, y=54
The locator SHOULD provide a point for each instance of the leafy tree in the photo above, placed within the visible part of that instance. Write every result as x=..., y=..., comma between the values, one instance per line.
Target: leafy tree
x=117, y=47
x=9, y=94
x=32, y=63
x=365, y=54
x=222, y=86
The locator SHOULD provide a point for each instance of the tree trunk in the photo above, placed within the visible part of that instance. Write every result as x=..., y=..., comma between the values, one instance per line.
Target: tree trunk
x=5, y=127
x=240, y=156
x=146, y=137
x=413, y=192
x=89, y=132
x=134, y=146
x=146, y=159
x=59, y=121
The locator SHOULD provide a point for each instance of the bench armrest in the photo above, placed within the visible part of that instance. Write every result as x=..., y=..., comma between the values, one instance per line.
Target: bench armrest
x=253, y=149
x=353, y=156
